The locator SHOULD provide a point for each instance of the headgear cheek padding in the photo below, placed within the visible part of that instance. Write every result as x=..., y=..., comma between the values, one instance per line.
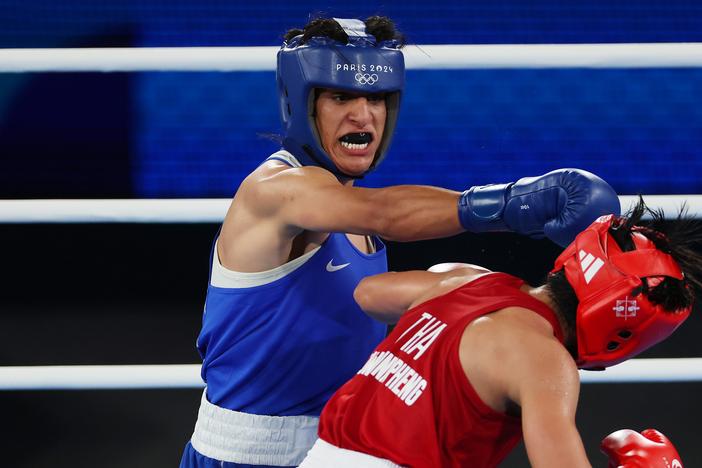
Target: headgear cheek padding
x=361, y=66
x=614, y=320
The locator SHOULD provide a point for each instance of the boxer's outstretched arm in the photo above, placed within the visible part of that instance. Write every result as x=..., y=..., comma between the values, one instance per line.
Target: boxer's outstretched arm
x=557, y=205
x=311, y=199
x=276, y=203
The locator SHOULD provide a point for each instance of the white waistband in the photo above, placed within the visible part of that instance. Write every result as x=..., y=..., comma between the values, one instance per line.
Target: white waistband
x=324, y=455
x=254, y=439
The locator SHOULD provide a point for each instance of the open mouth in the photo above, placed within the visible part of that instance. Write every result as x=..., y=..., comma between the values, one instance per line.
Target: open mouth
x=356, y=141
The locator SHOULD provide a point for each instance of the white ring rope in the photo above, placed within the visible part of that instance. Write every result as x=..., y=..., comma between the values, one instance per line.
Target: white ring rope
x=212, y=210
x=100, y=377
x=443, y=56
x=183, y=210
x=648, y=370
x=188, y=375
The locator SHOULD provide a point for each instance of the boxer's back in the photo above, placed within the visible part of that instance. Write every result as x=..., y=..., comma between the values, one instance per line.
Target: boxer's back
x=412, y=398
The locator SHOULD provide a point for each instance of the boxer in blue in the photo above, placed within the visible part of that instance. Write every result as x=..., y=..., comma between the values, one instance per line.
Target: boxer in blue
x=281, y=331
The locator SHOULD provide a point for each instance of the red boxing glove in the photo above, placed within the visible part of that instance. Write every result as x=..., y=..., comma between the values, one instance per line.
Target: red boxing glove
x=650, y=449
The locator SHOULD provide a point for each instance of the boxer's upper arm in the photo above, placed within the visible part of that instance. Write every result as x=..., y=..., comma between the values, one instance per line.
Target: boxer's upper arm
x=547, y=387
x=387, y=296
x=312, y=199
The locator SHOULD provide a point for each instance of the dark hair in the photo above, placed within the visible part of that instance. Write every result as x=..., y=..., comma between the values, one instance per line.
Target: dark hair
x=381, y=27
x=681, y=238
x=566, y=302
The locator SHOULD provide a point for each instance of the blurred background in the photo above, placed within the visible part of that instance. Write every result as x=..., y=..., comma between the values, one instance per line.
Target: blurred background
x=133, y=293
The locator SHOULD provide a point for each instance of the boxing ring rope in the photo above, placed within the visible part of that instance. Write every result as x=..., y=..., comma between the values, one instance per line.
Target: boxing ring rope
x=120, y=377
x=232, y=59
x=444, y=56
x=212, y=210
x=176, y=210
x=171, y=376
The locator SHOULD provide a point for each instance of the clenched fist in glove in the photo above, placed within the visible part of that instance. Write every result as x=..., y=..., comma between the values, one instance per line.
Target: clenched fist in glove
x=557, y=205
x=649, y=449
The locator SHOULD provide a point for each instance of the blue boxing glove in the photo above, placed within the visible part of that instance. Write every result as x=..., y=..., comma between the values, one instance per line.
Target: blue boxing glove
x=557, y=205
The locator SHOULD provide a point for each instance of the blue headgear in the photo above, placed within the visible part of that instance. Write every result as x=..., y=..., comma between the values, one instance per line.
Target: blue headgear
x=361, y=66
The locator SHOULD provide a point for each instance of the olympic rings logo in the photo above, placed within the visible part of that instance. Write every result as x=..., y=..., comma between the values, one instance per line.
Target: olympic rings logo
x=366, y=78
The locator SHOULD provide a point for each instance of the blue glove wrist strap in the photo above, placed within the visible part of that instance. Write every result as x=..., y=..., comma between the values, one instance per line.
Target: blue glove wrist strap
x=480, y=208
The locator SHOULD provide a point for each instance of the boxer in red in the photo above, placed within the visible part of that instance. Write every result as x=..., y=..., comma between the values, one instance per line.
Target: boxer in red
x=479, y=360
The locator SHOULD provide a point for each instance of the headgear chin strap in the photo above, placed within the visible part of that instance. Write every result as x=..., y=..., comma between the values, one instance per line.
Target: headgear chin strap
x=614, y=320
x=361, y=66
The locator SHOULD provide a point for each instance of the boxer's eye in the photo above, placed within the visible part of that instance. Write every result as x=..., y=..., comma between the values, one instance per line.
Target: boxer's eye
x=342, y=97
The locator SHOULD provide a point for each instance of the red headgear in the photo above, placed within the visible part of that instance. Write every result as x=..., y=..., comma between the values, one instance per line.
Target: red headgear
x=614, y=321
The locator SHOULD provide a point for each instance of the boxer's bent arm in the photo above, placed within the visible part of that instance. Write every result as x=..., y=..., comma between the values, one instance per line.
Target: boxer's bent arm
x=387, y=296
x=548, y=387
x=311, y=199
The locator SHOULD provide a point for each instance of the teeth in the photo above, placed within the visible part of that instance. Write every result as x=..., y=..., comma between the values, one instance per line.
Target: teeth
x=354, y=146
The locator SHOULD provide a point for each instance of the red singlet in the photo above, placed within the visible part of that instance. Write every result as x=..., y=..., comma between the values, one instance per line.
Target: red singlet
x=411, y=403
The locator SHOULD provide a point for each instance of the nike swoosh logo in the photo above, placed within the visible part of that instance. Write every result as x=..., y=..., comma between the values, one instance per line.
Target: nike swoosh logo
x=331, y=267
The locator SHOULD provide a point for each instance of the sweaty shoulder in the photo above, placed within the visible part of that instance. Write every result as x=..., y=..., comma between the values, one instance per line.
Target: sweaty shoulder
x=256, y=234
x=503, y=351
x=274, y=183
x=450, y=276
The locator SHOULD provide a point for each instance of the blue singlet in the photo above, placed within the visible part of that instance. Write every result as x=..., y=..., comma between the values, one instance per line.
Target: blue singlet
x=284, y=347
